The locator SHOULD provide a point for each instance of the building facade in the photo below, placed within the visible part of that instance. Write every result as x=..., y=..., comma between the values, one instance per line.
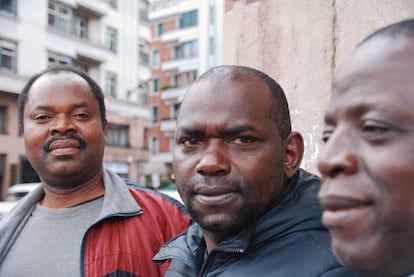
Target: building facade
x=300, y=44
x=186, y=41
x=109, y=40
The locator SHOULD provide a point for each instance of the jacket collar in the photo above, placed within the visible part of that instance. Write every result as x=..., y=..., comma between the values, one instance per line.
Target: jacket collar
x=297, y=209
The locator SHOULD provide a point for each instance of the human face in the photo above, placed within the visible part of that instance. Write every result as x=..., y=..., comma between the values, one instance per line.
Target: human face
x=367, y=164
x=63, y=132
x=228, y=156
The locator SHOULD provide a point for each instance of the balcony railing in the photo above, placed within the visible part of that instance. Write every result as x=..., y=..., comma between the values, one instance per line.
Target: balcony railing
x=168, y=125
x=174, y=94
x=181, y=65
x=181, y=35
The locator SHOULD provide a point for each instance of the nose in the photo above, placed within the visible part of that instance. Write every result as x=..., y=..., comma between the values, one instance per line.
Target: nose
x=214, y=162
x=62, y=124
x=339, y=156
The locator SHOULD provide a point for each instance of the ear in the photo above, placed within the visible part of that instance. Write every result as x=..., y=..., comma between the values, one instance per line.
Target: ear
x=105, y=125
x=293, y=153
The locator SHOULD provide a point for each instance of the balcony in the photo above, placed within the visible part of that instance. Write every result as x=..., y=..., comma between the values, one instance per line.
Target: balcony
x=180, y=35
x=161, y=158
x=168, y=125
x=181, y=65
x=174, y=94
x=93, y=9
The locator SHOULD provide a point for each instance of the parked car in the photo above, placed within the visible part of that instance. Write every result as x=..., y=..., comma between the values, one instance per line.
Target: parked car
x=14, y=194
x=18, y=191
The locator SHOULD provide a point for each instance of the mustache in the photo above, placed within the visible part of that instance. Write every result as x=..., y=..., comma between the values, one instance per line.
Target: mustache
x=81, y=141
x=207, y=181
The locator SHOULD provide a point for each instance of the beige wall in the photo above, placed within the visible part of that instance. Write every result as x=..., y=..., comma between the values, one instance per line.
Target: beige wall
x=300, y=43
x=11, y=144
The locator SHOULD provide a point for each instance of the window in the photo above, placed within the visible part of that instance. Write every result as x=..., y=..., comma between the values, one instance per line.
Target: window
x=82, y=66
x=2, y=168
x=81, y=26
x=154, y=146
x=143, y=93
x=143, y=52
x=174, y=110
x=9, y=6
x=3, y=119
x=120, y=168
x=154, y=85
x=155, y=58
x=211, y=15
x=63, y=18
x=184, y=78
x=143, y=10
x=160, y=29
x=189, y=19
x=60, y=16
x=54, y=58
x=211, y=45
x=110, y=85
x=113, y=4
x=118, y=135
x=154, y=114
x=186, y=50
x=8, y=56
x=111, y=39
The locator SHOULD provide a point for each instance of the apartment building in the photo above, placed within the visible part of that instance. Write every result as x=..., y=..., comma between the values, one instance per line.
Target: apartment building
x=108, y=39
x=186, y=41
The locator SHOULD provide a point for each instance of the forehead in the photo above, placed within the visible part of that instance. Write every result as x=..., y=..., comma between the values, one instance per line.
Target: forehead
x=227, y=99
x=379, y=74
x=58, y=83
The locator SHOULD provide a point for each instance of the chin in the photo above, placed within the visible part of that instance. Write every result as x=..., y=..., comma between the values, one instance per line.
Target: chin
x=220, y=224
x=364, y=259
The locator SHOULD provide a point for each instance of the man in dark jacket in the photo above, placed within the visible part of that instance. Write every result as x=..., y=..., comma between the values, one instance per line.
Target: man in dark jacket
x=236, y=162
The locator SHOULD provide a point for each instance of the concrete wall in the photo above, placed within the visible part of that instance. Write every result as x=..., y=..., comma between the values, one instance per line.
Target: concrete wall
x=300, y=43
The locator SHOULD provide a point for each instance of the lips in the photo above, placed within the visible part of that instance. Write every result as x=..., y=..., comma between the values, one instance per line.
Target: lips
x=62, y=144
x=215, y=195
x=343, y=211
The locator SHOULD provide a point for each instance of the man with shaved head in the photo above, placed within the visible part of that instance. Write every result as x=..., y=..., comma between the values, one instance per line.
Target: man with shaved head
x=367, y=163
x=236, y=162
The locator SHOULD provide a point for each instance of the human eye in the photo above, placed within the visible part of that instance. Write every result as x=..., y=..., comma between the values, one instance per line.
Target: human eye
x=242, y=140
x=190, y=141
x=375, y=131
x=41, y=117
x=326, y=133
x=81, y=115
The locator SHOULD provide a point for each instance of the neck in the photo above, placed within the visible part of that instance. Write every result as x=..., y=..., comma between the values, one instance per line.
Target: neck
x=56, y=197
x=211, y=240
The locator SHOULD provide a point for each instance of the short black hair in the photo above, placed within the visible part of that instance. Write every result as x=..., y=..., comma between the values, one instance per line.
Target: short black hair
x=279, y=108
x=404, y=28
x=54, y=69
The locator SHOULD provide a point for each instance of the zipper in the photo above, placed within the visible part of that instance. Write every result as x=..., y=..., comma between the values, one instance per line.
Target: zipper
x=83, y=245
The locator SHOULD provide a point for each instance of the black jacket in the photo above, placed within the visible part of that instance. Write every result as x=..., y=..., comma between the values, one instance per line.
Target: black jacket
x=288, y=241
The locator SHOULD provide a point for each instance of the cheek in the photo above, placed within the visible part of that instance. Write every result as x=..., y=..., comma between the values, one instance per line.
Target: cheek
x=34, y=136
x=182, y=168
x=392, y=175
x=266, y=177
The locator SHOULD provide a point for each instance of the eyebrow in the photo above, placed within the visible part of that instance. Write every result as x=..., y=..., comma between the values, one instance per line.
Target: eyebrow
x=357, y=110
x=75, y=106
x=228, y=132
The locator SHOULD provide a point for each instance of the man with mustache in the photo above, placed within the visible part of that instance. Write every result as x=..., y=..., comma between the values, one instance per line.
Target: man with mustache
x=82, y=220
x=367, y=163
x=236, y=163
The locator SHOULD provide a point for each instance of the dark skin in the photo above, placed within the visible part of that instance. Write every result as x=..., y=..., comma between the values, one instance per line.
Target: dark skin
x=367, y=163
x=65, y=139
x=229, y=159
